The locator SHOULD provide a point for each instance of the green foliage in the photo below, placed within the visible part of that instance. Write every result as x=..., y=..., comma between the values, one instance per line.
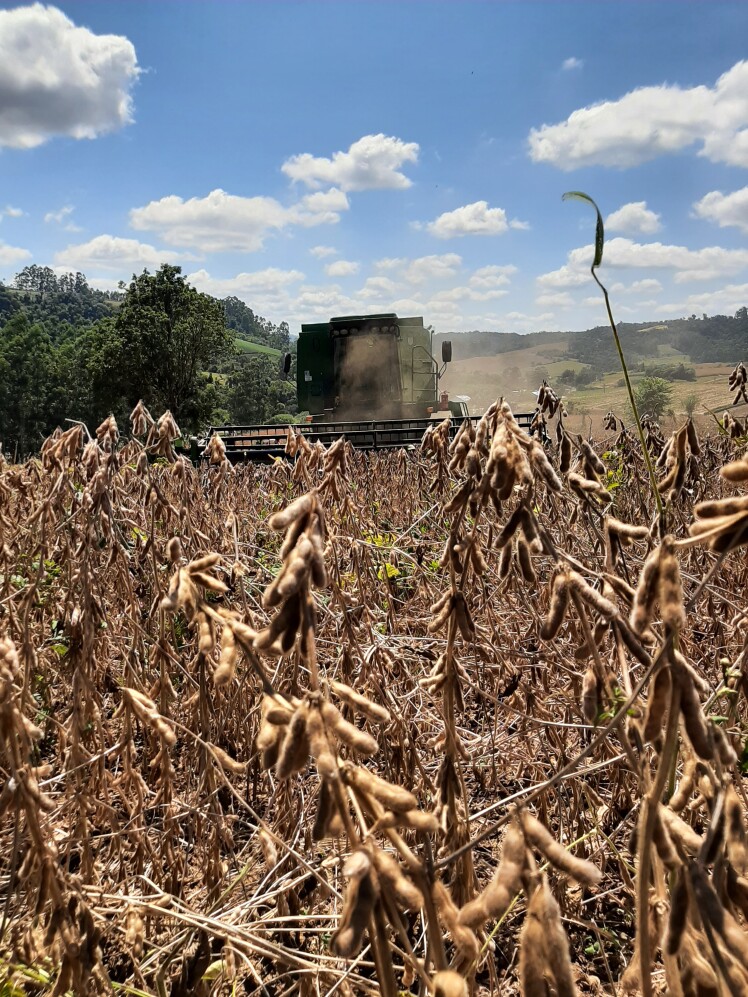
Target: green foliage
x=165, y=335
x=68, y=351
x=252, y=328
x=690, y=404
x=672, y=372
x=61, y=304
x=653, y=396
x=614, y=470
x=576, y=378
x=26, y=370
x=257, y=393
x=388, y=570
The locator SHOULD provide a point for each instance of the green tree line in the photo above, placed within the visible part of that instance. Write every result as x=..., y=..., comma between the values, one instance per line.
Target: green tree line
x=69, y=351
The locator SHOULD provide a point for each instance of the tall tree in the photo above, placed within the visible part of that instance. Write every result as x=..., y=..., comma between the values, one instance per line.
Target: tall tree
x=653, y=396
x=26, y=368
x=257, y=391
x=167, y=334
x=249, y=394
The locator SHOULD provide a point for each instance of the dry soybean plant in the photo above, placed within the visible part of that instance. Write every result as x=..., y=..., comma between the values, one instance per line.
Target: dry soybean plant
x=469, y=719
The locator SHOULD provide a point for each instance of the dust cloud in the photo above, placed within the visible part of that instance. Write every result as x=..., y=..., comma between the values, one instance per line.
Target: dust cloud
x=367, y=381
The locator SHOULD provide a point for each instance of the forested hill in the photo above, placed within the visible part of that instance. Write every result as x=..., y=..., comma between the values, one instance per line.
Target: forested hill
x=64, y=303
x=60, y=304
x=488, y=344
x=70, y=351
x=716, y=338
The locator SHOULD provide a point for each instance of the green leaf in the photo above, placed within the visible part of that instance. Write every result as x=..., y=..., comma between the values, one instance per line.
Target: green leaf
x=390, y=569
x=577, y=195
x=214, y=970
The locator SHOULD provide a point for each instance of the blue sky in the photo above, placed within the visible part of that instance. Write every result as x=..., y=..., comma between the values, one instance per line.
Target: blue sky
x=317, y=159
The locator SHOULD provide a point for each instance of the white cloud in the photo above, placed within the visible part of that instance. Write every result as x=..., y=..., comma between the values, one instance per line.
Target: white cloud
x=422, y=269
x=109, y=252
x=688, y=264
x=471, y=219
x=12, y=254
x=524, y=322
x=10, y=212
x=452, y=294
x=59, y=79
x=390, y=263
x=633, y=218
x=408, y=306
x=724, y=301
x=379, y=288
x=561, y=300
x=492, y=276
x=341, y=268
x=464, y=293
x=572, y=63
x=419, y=287
x=321, y=252
x=322, y=301
x=263, y=284
x=224, y=222
x=725, y=209
x=564, y=277
x=647, y=286
x=322, y=207
x=59, y=216
x=488, y=295
x=652, y=121
x=426, y=268
x=427, y=285
x=371, y=163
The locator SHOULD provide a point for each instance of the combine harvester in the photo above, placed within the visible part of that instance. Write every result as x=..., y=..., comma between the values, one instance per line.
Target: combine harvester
x=370, y=378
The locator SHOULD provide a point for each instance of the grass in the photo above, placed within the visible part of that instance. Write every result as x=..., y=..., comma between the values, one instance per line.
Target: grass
x=245, y=346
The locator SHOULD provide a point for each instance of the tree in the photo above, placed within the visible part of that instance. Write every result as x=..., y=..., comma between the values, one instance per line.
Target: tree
x=167, y=335
x=26, y=370
x=246, y=325
x=689, y=404
x=653, y=396
x=249, y=389
x=8, y=304
x=258, y=393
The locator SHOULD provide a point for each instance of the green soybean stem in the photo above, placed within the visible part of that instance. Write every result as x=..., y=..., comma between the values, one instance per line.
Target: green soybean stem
x=632, y=400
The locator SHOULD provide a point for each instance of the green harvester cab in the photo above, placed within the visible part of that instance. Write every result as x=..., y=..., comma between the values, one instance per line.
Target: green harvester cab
x=370, y=367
